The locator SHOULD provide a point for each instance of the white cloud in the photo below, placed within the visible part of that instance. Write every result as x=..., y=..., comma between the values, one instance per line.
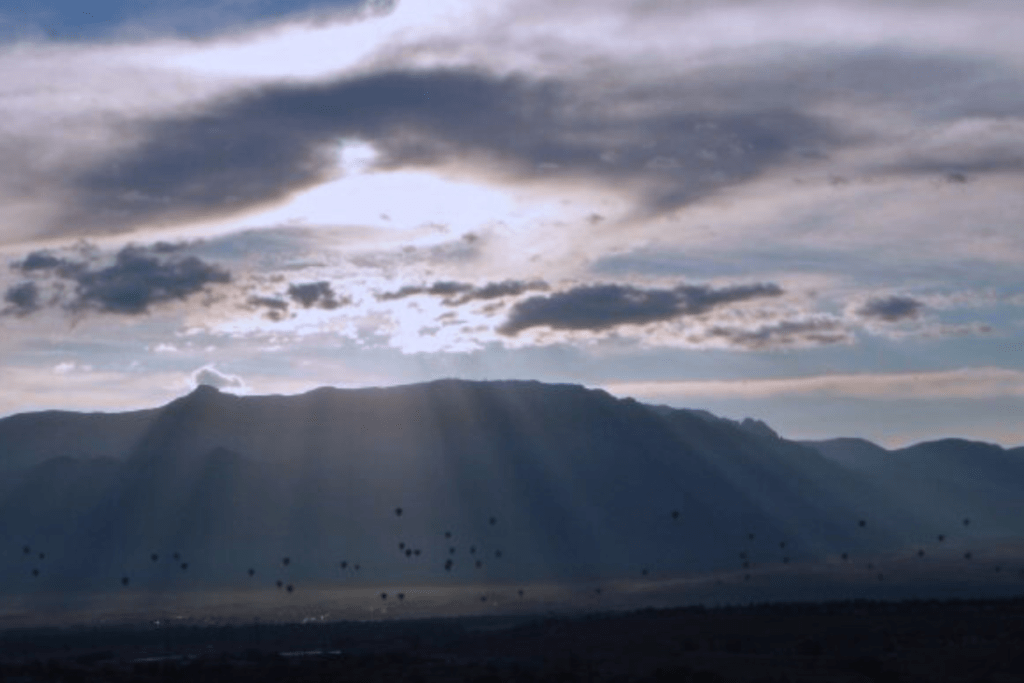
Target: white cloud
x=209, y=375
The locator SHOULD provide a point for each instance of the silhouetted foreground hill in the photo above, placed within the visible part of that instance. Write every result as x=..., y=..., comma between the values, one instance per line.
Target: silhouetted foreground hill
x=496, y=481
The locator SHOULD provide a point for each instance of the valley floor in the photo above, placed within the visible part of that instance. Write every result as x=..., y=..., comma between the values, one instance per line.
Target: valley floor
x=838, y=641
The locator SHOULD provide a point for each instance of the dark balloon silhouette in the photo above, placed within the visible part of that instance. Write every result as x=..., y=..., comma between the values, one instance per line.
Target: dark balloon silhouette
x=643, y=572
x=35, y=572
x=968, y=555
x=750, y=537
x=408, y=552
x=920, y=553
x=290, y=588
x=398, y=512
x=479, y=564
x=845, y=556
x=416, y=552
x=447, y=534
x=520, y=592
x=27, y=550
x=286, y=561
x=252, y=572
x=356, y=567
x=675, y=514
x=782, y=544
x=125, y=580
x=154, y=557
x=483, y=598
x=472, y=550
x=448, y=566
x=401, y=596
x=942, y=537
x=746, y=564
x=383, y=596
x=401, y=545
x=597, y=591
x=862, y=523
x=280, y=583
x=184, y=566
x=451, y=551
x=344, y=564
x=176, y=556
x=497, y=553
x=966, y=521
x=42, y=556
x=493, y=520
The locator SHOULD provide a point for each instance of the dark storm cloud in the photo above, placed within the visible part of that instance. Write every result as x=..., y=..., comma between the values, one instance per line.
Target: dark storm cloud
x=600, y=307
x=457, y=293
x=315, y=294
x=138, y=278
x=891, y=308
x=440, y=288
x=269, y=142
x=277, y=309
x=23, y=298
x=38, y=260
x=814, y=331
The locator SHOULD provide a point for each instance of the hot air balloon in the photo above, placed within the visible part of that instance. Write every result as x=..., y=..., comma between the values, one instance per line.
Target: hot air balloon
x=154, y=557
x=125, y=580
x=398, y=512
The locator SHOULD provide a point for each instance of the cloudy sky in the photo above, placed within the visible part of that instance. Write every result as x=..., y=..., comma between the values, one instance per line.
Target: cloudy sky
x=808, y=211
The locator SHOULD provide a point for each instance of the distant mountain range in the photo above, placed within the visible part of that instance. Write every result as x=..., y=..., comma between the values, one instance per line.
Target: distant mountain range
x=533, y=481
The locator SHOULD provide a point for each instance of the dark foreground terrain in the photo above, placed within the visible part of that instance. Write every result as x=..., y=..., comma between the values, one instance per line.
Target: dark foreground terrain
x=842, y=641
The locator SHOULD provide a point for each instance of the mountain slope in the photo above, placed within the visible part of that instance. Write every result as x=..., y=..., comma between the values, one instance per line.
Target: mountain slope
x=533, y=481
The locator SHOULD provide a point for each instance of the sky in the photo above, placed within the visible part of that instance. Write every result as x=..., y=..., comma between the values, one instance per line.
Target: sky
x=805, y=211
